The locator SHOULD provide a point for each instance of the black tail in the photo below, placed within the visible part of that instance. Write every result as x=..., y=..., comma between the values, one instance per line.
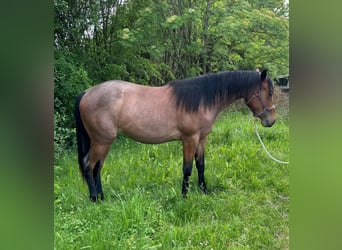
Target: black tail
x=83, y=140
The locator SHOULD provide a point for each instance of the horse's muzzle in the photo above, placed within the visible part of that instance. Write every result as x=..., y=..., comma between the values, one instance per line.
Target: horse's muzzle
x=268, y=122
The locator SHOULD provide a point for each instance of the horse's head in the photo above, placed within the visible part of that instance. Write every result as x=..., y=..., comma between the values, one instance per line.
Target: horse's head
x=260, y=102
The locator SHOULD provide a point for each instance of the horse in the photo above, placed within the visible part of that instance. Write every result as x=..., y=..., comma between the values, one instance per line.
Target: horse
x=180, y=110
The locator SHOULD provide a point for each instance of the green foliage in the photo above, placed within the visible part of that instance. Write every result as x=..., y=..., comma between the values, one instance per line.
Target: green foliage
x=70, y=80
x=248, y=38
x=188, y=39
x=247, y=206
x=64, y=137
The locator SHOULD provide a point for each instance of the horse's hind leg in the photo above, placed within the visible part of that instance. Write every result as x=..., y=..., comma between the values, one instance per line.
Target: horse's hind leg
x=98, y=153
x=97, y=175
x=97, y=178
x=88, y=175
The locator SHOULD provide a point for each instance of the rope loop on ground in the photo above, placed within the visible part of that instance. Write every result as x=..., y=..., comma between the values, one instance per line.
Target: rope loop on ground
x=264, y=147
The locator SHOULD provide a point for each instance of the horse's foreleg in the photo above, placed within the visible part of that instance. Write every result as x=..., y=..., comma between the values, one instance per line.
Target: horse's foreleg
x=199, y=157
x=189, y=147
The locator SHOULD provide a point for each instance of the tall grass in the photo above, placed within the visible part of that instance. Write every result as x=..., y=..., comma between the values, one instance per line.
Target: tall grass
x=246, y=207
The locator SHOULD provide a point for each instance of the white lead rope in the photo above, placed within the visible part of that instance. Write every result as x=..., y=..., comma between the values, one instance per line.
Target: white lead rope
x=263, y=145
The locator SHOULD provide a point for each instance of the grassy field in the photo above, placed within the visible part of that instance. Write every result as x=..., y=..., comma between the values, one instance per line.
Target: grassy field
x=247, y=205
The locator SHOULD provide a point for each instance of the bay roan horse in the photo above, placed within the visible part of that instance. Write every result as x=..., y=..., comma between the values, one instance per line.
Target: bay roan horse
x=180, y=110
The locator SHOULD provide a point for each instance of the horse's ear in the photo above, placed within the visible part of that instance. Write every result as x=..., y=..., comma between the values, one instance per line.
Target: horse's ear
x=263, y=75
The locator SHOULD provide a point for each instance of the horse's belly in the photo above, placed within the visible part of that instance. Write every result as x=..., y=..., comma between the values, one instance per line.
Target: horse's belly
x=151, y=134
x=150, y=129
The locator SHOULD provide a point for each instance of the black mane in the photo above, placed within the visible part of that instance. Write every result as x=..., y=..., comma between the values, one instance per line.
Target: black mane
x=208, y=90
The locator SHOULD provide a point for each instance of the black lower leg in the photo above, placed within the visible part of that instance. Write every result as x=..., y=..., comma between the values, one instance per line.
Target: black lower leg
x=200, y=170
x=187, y=168
x=97, y=178
x=91, y=184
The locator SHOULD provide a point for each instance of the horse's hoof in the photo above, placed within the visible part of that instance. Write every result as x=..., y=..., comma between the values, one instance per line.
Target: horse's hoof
x=184, y=193
x=203, y=188
x=102, y=197
x=93, y=198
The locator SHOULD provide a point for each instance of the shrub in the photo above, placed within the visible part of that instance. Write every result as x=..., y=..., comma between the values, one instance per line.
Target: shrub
x=70, y=80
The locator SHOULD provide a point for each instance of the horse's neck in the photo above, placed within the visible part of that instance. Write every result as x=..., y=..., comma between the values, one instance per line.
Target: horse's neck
x=226, y=103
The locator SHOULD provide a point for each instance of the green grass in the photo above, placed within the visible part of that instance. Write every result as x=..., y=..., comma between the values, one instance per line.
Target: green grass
x=247, y=205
